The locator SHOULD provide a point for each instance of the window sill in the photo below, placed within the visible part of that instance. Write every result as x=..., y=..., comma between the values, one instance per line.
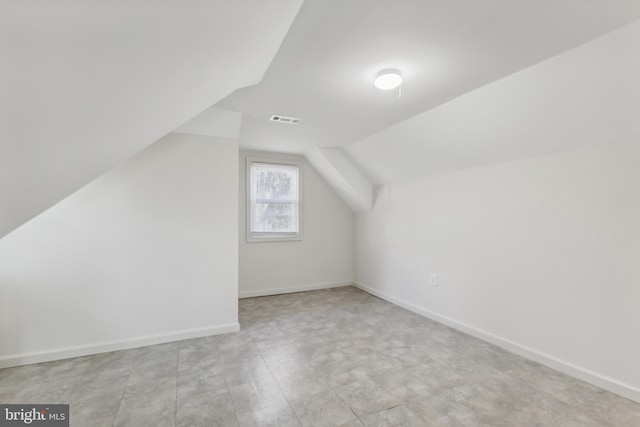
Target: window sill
x=274, y=238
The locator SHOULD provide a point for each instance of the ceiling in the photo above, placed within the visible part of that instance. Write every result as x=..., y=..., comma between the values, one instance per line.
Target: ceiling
x=587, y=96
x=324, y=71
x=214, y=122
x=85, y=85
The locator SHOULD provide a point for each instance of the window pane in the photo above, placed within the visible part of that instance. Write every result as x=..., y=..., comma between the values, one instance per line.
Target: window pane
x=274, y=193
x=275, y=218
x=276, y=183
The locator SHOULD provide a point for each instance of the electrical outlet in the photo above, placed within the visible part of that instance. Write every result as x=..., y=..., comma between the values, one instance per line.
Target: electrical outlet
x=434, y=279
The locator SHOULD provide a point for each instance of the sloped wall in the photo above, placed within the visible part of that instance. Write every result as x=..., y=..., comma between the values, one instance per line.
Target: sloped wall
x=85, y=85
x=144, y=254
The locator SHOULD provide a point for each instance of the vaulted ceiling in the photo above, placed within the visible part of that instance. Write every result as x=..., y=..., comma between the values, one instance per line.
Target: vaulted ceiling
x=86, y=84
x=324, y=71
x=587, y=96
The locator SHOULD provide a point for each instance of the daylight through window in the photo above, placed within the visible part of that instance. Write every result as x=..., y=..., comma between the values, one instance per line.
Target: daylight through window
x=274, y=208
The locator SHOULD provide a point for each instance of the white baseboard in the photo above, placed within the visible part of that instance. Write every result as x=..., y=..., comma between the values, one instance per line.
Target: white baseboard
x=591, y=377
x=104, y=347
x=292, y=289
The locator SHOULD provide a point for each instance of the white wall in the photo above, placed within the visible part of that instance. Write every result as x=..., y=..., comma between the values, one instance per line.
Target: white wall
x=323, y=258
x=540, y=255
x=85, y=85
x=146, y=253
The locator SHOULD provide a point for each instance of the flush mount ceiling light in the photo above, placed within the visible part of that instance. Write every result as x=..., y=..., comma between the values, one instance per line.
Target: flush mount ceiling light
x=388, y=79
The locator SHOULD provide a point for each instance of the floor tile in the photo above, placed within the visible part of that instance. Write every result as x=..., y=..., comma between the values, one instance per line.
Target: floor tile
x=366, y=397
x=319, y=358
x=404, y=385
x=447, y=408
x=280, y=415
x=324, y=409
x=201, y=381
x=400, y=416
x=148, y=403
x=252, y=397
x=205, y=410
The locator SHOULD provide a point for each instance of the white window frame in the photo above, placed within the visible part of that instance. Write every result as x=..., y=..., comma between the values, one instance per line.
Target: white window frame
x=273, y=237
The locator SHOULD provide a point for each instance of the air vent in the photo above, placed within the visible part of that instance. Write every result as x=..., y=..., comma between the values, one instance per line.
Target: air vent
x=283, y=119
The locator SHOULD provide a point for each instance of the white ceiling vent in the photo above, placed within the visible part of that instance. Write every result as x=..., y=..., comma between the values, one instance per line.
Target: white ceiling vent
x=283, y=119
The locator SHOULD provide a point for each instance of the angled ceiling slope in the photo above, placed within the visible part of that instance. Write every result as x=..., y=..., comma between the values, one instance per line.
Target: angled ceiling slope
x=347, y=180
x=325, y=69
x=84, y=85
x=587, y=96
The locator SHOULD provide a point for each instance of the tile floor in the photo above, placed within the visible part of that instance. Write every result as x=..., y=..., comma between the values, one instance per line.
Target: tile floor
x=337, y=357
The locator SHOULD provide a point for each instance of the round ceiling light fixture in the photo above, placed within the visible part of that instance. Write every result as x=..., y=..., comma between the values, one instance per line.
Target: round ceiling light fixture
x=388, y=79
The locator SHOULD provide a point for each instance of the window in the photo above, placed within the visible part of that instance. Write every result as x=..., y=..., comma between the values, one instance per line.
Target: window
x=273, y=205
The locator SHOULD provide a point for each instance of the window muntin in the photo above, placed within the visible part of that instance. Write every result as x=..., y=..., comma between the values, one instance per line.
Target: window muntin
x=274, y=201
